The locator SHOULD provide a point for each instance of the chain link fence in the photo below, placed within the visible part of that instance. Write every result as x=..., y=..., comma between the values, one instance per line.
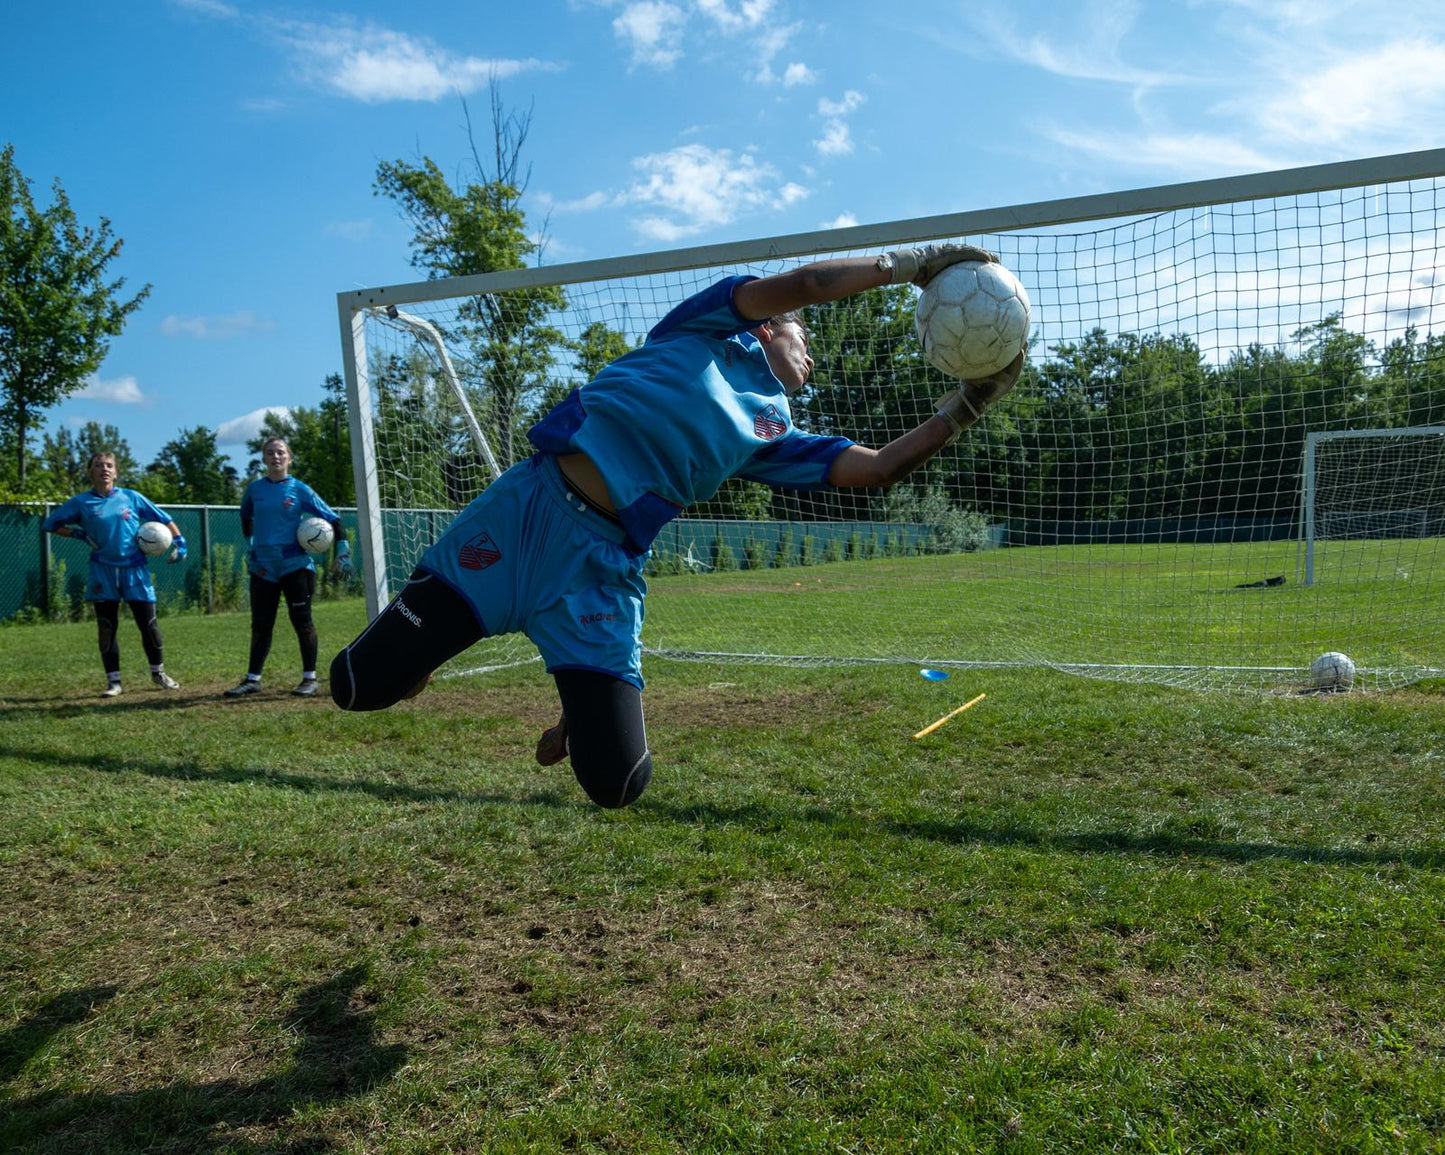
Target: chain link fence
x=43, y=576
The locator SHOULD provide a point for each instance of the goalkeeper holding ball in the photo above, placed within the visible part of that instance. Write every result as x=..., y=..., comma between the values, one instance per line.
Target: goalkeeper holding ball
x=555, y=547
x=271, y=511
x=108, y=518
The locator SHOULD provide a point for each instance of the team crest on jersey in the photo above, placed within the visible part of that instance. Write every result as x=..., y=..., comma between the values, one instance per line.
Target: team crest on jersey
x=479, y=553
x=287, y=502
x=125, y=515
x=769, y=424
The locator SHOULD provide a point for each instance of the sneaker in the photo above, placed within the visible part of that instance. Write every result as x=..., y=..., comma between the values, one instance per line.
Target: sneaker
x=305, y=688
x=244, y=687
x=111, y=691
x=165, y=681
x=552, y=745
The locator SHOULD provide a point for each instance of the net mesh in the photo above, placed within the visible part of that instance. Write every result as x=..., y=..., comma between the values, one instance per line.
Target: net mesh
x=1133, y=510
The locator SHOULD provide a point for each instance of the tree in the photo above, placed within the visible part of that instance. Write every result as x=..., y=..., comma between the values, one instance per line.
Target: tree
x=188, y=469
x=58, y=312
x=477, y=228
x=64, y=457
x=320, y=441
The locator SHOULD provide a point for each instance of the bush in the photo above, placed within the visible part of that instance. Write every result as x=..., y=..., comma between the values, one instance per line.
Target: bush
x=785, y=552
x=756, y=554
x=810, y=551
x=951, y=529
x=723, y=557
x=835, y=551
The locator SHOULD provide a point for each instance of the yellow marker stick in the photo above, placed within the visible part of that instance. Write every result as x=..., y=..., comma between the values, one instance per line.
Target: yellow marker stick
x=952, y=714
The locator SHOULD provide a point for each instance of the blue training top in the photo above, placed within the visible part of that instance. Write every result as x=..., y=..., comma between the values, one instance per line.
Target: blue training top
x=669, y=422
x=110, y=523
x=275, y=510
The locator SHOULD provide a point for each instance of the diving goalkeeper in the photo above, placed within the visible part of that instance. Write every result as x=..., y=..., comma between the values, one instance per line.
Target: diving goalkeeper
x=555, y=547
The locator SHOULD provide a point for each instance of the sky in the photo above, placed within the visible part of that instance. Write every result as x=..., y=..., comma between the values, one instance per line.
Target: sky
x=234, y=145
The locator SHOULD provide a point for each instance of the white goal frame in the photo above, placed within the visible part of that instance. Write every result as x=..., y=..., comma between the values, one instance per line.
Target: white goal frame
x=355, y=307
x=1308, y=479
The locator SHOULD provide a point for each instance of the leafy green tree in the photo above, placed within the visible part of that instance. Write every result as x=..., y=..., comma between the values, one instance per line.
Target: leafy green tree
x=58, y=311
x=479, y=227
x=189, y=470
x=320, y=441
x=64, y=456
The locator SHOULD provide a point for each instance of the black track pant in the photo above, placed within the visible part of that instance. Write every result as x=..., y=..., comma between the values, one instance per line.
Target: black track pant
x=427, y=624
x=298, y=586
x=107, y=620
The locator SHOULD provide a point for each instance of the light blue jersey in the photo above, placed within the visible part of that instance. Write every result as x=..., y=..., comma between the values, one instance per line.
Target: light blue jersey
x=669, y=422
x=275, y=510
x=117, y=567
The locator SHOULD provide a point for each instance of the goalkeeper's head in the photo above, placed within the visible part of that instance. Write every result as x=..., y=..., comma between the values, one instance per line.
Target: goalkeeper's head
x=785, y=340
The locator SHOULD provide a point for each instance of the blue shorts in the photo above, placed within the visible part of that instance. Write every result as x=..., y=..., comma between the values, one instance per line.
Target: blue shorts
x=530, y=556
x=119, y=583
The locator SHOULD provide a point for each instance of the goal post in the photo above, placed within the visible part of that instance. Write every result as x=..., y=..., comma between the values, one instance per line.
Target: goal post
x=1140, y=508
x=1373, y=485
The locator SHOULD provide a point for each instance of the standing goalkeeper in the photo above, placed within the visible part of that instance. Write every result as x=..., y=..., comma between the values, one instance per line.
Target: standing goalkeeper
x=107, y=518
x=555, y=547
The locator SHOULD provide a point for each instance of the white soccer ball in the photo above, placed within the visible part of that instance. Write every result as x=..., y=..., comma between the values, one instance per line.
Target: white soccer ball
x=154, y=538
x=1332, y=671
x=973, y=319
x=314, y=535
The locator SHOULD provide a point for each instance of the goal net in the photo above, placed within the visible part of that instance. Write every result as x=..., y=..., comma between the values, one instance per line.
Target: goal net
x=1136, y=509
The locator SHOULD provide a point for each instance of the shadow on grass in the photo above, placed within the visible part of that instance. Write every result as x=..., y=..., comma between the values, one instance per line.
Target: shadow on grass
x=338, y=1059
x=305, y=783
x=764, y=818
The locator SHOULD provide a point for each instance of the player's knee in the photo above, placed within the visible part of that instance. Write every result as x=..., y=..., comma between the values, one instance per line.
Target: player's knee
x=610, y=782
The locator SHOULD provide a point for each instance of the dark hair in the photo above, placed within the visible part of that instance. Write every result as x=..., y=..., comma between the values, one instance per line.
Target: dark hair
x=89, y=465
x=791, y=317
x=282, y=440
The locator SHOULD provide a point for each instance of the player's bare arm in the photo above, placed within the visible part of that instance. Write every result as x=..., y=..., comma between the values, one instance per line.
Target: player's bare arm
x=818, y=282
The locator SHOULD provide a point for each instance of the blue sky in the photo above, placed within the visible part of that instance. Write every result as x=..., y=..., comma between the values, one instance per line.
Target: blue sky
x=234, y=144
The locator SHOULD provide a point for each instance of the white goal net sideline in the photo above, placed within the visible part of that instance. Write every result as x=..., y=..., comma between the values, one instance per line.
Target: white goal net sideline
x=1224, y=458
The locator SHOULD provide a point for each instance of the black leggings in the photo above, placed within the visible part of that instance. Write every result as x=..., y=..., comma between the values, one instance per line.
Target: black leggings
x=428, y=624
x=298, y=586
x=107, y=620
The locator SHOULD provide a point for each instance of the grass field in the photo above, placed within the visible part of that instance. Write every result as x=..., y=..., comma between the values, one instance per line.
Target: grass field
x=1082, y=916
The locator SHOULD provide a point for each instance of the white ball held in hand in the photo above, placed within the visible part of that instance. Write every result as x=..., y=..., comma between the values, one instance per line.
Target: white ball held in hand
x=973, y=319
x=154, y=538
x=314, y=535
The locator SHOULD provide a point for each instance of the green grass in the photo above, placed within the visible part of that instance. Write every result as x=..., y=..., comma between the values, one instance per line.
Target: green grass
x=1082, y=916
x=1382, y=602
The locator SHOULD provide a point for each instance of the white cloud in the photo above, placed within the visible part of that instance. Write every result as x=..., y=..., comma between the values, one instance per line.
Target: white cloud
x=118, y=391
x=216, y=328
x=748, y=15
x=355, y=231
x=851, y=101
x=372, y=64
x=652, y=30
x=208, y=8
x=841, y=221
x=1397, y=90
x=697, y=188
x=1181, y=153
x=837, y=138
x=798, y=73
x=239, y=430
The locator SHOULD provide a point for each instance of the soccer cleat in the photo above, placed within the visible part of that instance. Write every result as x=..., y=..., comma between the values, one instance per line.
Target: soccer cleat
x=165, y=681
x=111, y=691
x=244, y=687
x=305, y=688
x=552, y=745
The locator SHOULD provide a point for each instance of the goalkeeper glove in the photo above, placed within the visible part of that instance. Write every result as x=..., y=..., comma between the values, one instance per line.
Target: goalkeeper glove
x=923, y=264
x=966, y=404
x=343, y=560
x=178, y=550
